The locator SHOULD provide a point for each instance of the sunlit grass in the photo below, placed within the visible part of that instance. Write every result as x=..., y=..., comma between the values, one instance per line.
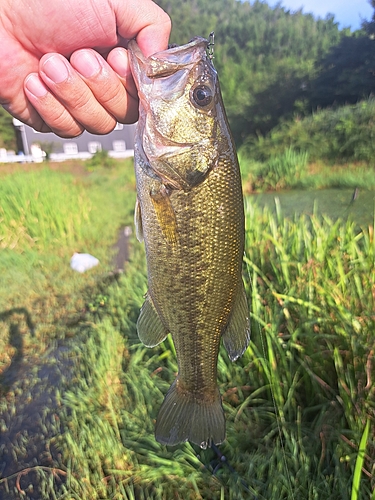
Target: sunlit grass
x=42, y=208
x=292, y=170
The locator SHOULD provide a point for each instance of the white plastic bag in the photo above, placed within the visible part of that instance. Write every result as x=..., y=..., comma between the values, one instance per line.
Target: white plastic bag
x=82, y=262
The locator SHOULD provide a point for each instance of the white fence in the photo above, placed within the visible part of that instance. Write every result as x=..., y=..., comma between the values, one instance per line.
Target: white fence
x=11, y=157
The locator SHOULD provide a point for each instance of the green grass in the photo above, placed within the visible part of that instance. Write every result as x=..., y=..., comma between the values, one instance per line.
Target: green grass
x=292, y=170
x=296, y=403
x=359, y=463
x=279, y=172
x=42, y=208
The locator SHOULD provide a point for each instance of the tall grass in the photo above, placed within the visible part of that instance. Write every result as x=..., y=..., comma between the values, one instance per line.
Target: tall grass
x=296, y=403
x=278, y=172
x=312, y=282
x=290, y=169
x=41, y=208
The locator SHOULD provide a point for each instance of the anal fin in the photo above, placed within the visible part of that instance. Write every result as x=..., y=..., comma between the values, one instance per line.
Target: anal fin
x=236, y=337
x=150, y=328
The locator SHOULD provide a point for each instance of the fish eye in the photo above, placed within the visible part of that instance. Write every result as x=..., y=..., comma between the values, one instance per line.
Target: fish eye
x=202, y=96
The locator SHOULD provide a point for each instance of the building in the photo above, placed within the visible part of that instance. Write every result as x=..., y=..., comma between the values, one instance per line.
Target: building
x=119, y=143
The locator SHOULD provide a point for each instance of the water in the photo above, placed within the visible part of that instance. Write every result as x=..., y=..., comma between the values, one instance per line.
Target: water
x=335, y=203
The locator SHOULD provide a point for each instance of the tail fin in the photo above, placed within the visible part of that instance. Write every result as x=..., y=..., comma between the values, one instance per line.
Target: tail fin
x=184, y=417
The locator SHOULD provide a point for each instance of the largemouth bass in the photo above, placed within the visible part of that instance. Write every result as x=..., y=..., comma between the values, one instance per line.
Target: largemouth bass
x=190, y=214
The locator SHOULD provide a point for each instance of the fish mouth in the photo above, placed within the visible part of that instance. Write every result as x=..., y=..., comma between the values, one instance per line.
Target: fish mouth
x=166, y=62
x=174, y=63
x=171, y=67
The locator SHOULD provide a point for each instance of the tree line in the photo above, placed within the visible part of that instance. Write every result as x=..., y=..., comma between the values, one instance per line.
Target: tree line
x=274, y=63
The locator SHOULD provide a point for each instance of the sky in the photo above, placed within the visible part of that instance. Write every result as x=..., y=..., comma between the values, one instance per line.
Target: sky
x=346, y=12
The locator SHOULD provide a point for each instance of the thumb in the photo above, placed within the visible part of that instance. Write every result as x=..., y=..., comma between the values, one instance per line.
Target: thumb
x=145, y=21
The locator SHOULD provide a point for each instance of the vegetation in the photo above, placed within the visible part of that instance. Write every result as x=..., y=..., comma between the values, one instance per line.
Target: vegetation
x=7, y=133
x=290, y=170
x=42, y=209
x=279, y=172
x=265, y=56
x=346, y=73
x=344, y=134
x=80, y=393
x=47, y=215
x=100, y=159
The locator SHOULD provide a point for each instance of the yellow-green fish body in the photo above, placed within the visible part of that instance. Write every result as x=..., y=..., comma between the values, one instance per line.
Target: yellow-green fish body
x=190, y=214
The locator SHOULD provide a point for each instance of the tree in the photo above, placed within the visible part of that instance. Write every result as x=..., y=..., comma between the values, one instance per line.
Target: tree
x=265, y=56
x=346, y=73
x=369, y=26
x=7, y=131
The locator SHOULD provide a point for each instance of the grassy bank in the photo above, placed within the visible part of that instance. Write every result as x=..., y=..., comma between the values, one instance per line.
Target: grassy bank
x=295, y=170
x=336, y=135
x=79, y=393
x=47, y=215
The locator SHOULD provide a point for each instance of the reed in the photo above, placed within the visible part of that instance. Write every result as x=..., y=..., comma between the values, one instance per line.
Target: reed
x=291, y=170
x=41, y=208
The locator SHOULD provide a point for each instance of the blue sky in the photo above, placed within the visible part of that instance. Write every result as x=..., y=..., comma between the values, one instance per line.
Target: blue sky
x=346, y=12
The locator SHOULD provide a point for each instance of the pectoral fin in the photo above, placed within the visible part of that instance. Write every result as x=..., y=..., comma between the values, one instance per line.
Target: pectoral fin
x=150, y=328
x=165, y=215
x=138, y=221
x=237, y=334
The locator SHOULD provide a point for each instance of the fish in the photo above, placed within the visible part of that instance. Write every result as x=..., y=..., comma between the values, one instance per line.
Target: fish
x=189, y=214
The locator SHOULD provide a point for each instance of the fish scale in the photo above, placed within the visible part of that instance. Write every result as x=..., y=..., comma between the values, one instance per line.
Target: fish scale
x=190, y=215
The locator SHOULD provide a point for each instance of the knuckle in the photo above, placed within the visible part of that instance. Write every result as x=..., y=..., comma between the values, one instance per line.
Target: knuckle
x=102, y=125
x=166, y=20
x=111, y=98
x=80, y=101
x=64, y=125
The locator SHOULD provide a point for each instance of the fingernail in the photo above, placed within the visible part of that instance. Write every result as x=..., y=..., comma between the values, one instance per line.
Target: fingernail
x=35, y=86
x=56, y=69
x=86, y=63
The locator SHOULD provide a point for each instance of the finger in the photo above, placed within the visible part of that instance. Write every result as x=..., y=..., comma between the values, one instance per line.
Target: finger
x=25, y=112
x=109, y=88
x=15, y=63
x=147, y=22
x=74, y=94
x=53, y=115
x=118, y=59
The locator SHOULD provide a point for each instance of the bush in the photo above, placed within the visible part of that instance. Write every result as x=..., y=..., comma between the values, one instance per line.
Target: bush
x=279, y=172
x=337, y=135
x=100, y=159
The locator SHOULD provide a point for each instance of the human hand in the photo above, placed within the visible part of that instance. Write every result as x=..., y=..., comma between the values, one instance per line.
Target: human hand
x=91, y=90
